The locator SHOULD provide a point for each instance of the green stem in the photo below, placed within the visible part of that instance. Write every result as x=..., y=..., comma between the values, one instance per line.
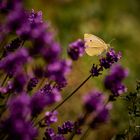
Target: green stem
x=85, y=134
x=4, y=80
x=2, y=84
x=71, y=94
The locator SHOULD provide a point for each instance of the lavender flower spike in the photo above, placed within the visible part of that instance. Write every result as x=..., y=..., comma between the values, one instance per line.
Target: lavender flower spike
x=113, y=81
x=76, y=49
x=50, y=117
x=94, y=101
x=51, y=135
x=12, y=61
x=68, y=126
x=111, y=58
x=101, y=117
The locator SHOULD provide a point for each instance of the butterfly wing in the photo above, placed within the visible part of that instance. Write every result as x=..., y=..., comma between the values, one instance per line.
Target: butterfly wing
x=91, y=51
x=94, y=45
x=90, y=37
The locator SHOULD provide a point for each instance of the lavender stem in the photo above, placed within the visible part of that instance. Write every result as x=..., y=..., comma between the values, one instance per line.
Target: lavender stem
x=72, y=93
x=4, y=80
x=85, y=134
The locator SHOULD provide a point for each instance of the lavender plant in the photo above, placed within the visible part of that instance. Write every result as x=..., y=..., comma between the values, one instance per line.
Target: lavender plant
x=33, y=74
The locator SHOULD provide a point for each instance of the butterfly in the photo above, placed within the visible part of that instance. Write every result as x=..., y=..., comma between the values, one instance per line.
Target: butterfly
x=94, y=45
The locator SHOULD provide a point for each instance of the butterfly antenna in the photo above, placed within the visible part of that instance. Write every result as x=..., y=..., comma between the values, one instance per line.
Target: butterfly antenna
x=112, y=40
x=109, y=44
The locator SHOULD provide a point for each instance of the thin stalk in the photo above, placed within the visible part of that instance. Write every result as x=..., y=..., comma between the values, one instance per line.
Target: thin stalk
x=2, y=84
x=22, y=43
x=71, y=94
x=4, y=80
x=72, y=136
x=85, y=134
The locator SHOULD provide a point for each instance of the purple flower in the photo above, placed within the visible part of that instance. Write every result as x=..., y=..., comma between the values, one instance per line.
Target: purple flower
x=24, y=130
x=14, y=60
x=18, y=129
x=7, y=89
x=51, y=135
x=3, y=5
x=94, y=101
x=38, y=103
x=105, y=62
x=19, y=106
x=32, y=26
x=50, y=117
x=76, y=49
x=37, y=31
x=47, y=88
x=16, y=17
x=58, y=137
x=35, y=18
x=57, y=70
x=119, y=72
x=32, y=83
x=8, y=5
x=3, y=90
x=42, y=99
x=42, y=41
x=68, y=126
x=20, y=79
x=113, y=81
x=52, y=95
x=101, y=117
x=95, y=70
x=111, y=57
x=61, y=84
x=51, y=52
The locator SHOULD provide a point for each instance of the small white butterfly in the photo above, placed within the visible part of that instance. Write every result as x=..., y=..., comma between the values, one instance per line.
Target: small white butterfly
x=94, y=45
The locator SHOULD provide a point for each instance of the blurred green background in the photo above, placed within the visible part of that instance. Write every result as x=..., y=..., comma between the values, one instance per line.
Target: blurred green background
x=108, y=19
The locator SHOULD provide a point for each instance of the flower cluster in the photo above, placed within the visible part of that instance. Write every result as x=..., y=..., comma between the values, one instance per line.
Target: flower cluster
x=51, y=135
x=57, y=70
x=101, y=117
x=105, y=62
x=113, y=81
x=94, y=104
x=14, y=61
x=18, y=124
x=50, y=117
x=94, y=101
x=32, y=83
x=68, y=126
x=111, y=58
x=76, y=49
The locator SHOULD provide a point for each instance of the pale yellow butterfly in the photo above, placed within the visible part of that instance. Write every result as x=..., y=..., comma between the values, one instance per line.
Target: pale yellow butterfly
x=94, y=45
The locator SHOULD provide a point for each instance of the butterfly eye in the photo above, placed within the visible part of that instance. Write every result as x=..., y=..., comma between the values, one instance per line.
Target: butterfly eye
x=90, y=40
